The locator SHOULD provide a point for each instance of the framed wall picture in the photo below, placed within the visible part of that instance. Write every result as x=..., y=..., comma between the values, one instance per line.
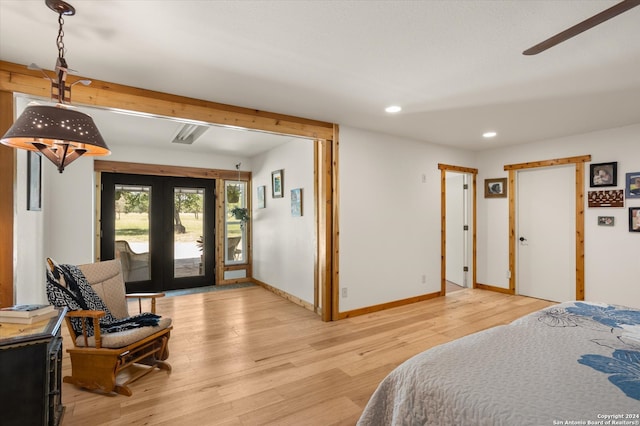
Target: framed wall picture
x=296, y=202
x=277, y=184
x=261, y=199
x=603, y=174
x=34, y=181
x=606, y=198
x=495, y=188
x=606, y=220
x=633, y=185
x=634, y=219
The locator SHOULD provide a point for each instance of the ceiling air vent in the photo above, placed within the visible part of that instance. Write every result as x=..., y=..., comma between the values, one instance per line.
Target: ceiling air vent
x=188, y=133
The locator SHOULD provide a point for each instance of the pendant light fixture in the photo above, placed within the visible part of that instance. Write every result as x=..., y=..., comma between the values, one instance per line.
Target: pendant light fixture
x=61, y=133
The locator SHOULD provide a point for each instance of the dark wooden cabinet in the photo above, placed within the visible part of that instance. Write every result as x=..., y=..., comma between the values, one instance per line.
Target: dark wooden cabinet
x=30, y=373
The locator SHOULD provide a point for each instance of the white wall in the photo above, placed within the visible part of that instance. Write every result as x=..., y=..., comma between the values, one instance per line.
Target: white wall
x=389, y=217
x=284, y=246
x=174, y=155
x=62, y=230
x=29, y=259
x=611, y=265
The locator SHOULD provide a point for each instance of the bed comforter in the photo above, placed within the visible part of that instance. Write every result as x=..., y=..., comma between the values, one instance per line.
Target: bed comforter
x=575, y=363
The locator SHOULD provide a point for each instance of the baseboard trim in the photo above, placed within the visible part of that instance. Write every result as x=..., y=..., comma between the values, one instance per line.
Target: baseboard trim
x=284, y=295
x=496, y=289
x=383, y=306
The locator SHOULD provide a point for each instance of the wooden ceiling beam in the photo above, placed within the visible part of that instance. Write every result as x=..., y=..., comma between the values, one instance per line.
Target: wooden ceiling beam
x=19, y=79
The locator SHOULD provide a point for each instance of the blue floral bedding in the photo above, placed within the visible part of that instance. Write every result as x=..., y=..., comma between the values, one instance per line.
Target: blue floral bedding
x=620, y=327
x=573, y=363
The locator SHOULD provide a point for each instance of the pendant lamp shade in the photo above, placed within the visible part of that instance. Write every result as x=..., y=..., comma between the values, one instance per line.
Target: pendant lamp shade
x=59, y=132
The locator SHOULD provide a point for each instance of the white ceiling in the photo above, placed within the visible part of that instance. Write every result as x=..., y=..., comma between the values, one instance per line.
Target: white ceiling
x=456, y=67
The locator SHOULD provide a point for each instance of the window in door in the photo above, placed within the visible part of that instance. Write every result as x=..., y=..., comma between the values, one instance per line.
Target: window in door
x=188, y=239
x=236, y=222
x=132, y=226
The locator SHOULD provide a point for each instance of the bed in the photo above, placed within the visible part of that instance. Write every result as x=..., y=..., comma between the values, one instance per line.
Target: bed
x=571, y=363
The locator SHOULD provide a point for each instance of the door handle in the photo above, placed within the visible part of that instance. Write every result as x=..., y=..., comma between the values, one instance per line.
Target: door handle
x=522, y=239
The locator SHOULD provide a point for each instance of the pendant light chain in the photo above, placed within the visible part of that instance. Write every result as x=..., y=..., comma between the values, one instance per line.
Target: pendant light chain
x=59, y=40
x=59, y=89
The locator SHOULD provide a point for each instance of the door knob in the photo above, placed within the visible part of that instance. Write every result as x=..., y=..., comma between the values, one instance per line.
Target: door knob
x=523, y=239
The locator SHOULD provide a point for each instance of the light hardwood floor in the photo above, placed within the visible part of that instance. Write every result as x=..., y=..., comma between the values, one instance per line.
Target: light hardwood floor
x=249, y=357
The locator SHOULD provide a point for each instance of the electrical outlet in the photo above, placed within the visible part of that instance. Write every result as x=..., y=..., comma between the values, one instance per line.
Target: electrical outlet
x=424, y=279
x=344, y=292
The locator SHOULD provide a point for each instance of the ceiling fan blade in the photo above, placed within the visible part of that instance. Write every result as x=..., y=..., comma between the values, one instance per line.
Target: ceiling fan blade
x=583, y=26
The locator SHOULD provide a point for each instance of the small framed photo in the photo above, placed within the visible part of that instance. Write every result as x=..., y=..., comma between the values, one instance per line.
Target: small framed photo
x=603, y=174
x=633, y=185
x=634, y=219
x=606, y=220
x=296, y=202
x=261, y=199
x=277, y=184
x=34, y=181
x=495, y=188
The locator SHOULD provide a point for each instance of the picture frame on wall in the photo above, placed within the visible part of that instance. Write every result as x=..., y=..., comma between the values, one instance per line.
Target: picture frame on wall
x=495, y=188
x=277, y=184
x=606, y=220
x=296, y=202
x=34, y=181
x=634, y=219
x=261, y=198
x=606, y=198
x=603, y=174
x=633, y=185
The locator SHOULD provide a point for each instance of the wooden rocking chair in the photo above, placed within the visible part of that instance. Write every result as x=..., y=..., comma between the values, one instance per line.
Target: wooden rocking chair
x=97, y=360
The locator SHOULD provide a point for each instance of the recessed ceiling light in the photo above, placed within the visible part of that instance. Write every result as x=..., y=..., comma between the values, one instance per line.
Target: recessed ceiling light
x=489, y=135
x=393, y=108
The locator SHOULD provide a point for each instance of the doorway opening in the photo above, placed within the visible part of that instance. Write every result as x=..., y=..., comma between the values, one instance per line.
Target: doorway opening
x=135, y=101
x=458, y=228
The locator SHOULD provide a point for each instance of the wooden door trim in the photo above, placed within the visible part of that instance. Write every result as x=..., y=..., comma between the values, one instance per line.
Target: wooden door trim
x=7, y=187
x=444, y=168
x=579, y=215
x=165, y=170
x=15, y=78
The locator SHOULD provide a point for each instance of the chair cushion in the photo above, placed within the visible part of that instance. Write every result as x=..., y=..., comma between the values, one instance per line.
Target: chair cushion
x=126, y=337
x=106, y=279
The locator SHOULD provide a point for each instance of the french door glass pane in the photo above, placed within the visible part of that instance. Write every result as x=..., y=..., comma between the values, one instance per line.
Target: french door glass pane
x=235, y=227
x=188, y=238
x=133, y=204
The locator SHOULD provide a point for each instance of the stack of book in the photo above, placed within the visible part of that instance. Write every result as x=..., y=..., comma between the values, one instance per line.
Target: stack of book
x=27, y=314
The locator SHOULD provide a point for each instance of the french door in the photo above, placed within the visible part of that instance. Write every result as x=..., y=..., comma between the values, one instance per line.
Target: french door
x=161, y=228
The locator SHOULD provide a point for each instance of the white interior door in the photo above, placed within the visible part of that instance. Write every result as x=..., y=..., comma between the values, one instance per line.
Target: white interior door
x=546, y=261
